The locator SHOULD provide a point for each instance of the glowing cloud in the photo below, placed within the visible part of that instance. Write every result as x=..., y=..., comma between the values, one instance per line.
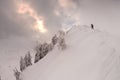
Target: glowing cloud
x=24, y=8
x=66, y=4
x=41, y=27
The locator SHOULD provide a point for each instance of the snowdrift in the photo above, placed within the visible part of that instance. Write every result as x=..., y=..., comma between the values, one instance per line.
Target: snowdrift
x=90, y=55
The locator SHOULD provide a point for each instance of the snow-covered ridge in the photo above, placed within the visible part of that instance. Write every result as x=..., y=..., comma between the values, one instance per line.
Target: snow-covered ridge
x=90, y=55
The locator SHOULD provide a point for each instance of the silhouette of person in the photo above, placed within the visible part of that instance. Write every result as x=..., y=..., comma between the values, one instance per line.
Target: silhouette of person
x=92, y=26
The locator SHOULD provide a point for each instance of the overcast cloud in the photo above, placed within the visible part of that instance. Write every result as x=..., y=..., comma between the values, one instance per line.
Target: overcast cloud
x=104, y=14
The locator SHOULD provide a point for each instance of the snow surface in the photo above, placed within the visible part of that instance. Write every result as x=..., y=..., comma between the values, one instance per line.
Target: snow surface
x=90, y=55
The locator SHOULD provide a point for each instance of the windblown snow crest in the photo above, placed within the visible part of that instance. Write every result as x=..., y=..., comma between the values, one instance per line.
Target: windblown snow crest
x=89, y=55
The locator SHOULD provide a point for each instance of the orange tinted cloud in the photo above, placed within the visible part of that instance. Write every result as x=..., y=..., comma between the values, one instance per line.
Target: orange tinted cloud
x=66, y=4
x=24, y=8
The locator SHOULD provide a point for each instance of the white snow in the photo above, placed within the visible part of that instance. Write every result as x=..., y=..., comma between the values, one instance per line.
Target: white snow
x=90, y=55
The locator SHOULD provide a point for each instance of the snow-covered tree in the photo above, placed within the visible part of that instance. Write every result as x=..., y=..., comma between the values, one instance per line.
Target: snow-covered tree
x=41, y=51
x=38, y=53
x=27, y=59
x=61, y=40
x=50, y=46
x=61, y=44
x=37, y=57
x=61, y=34
x=22, y=64
x=45, y=49
x=17, y=74
x=54, y=39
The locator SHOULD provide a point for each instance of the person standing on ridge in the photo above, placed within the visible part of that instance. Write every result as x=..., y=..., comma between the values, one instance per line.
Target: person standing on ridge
x=92, y=26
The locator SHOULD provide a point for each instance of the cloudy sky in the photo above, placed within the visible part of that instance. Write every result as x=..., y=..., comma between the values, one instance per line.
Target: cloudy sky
x=44, y=17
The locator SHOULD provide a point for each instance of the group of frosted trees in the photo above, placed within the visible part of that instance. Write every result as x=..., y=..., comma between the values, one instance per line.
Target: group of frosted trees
x=41, y=51
x=25, y=62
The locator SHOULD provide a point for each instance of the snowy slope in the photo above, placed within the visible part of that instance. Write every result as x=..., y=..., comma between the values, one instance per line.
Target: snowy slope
x=90, y=55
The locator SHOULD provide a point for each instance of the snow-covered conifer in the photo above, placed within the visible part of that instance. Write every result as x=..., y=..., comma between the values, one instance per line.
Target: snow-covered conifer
x=27, y=59
x=22, y=64
x=62, y=44
x=54, y=40
x=17, y=74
